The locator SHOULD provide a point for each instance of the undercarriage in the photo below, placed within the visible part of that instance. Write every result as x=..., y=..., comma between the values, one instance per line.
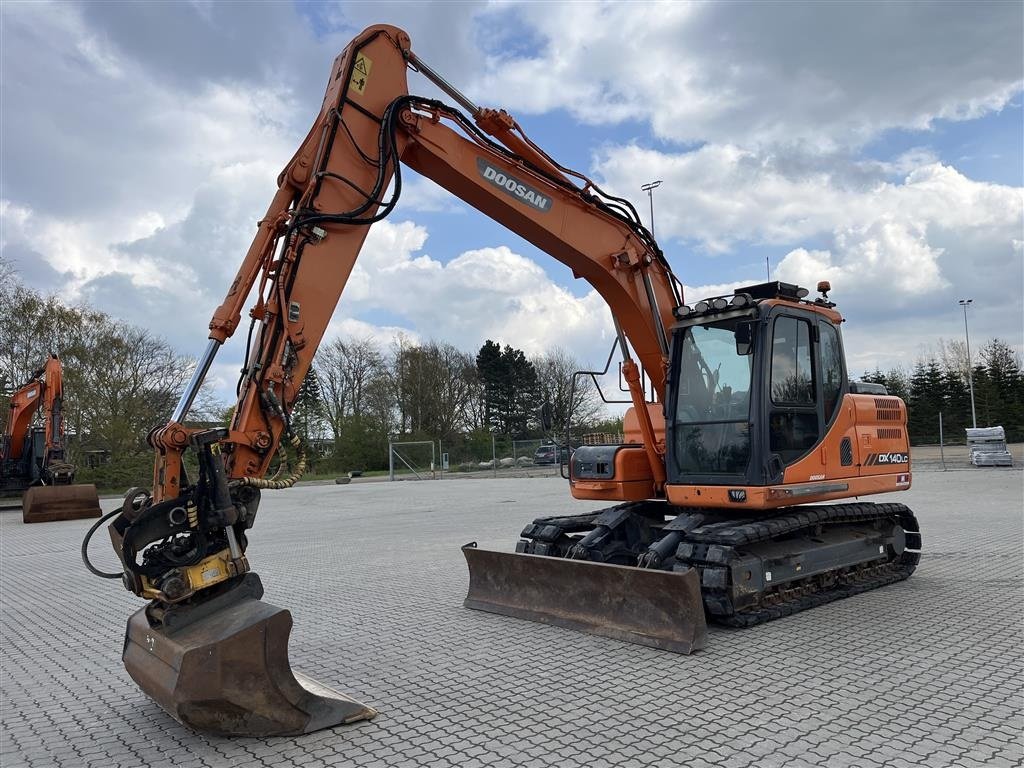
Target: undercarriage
x=751, y=569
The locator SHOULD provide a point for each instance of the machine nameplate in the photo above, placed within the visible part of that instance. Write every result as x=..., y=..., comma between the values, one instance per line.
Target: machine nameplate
x=886, y=458
x=513, y=186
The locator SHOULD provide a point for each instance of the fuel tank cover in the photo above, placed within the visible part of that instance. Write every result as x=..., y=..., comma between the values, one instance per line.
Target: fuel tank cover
x=594, y=462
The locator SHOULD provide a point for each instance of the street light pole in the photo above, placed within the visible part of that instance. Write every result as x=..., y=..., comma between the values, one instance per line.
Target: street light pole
x=970, y=369
x=649, y=189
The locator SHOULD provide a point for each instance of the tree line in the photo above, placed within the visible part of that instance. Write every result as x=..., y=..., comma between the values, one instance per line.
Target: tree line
x=360, y=394
x=940, y=382
x=122, y=380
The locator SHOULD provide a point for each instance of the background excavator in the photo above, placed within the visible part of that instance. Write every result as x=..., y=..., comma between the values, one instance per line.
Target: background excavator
x=33, y=459
x=754, y=414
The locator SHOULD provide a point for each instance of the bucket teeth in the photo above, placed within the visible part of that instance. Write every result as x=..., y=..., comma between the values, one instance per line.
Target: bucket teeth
x=50, y=503
x=660, y=609
x=227, y=672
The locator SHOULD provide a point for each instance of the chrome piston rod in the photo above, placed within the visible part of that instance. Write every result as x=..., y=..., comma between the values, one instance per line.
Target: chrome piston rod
x=441, y=83
x=198, y=376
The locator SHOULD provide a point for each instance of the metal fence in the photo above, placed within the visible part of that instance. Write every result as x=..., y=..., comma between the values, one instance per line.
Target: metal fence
x=496, y=454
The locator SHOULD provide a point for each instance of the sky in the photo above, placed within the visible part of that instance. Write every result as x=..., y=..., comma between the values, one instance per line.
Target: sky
x=874, y=145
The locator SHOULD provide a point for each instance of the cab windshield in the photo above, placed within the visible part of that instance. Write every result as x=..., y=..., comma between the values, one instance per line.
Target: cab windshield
x=712, y=414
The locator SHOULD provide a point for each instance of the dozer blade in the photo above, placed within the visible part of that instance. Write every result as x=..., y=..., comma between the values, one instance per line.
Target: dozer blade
x=661, y=609
x=226, y=670
x=49, y=503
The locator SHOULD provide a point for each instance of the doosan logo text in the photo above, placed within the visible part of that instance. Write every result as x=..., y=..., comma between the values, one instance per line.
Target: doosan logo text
x=513, y=186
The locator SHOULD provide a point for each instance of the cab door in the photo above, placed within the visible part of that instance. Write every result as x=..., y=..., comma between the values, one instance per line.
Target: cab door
x=793, y=402
x=809, y=438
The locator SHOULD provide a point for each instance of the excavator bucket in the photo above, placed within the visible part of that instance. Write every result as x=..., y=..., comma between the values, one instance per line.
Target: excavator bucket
x=224, y=670
x=48, y=503
x=661, y=609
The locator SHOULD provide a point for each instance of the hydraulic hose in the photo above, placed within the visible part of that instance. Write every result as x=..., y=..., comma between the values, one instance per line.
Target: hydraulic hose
x=85, y=547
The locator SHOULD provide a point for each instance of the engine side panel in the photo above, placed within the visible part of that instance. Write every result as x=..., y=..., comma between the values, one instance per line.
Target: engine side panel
x=611, y=472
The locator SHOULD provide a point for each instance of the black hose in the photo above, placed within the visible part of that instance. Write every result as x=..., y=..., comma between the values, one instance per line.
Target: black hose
x=85, y=547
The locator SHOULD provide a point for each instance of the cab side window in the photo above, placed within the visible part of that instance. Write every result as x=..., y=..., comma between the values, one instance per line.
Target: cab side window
x=792, y=374
x=831, y=369
x=793, y=419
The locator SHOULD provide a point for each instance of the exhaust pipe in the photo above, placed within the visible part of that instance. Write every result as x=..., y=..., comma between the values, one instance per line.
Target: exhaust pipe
x=659, y=609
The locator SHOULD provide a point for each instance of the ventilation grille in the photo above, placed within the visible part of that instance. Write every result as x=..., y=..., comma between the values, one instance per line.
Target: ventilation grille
x=846, y=452
x=889, y=433
x=888, y=408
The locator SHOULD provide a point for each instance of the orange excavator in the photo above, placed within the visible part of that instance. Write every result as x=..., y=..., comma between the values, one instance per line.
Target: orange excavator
x=33, y=459
x=710, y=495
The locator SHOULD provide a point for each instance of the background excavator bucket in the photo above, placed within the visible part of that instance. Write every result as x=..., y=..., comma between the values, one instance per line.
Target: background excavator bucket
x=661, y=609
x=48, y=503
x=227, y=673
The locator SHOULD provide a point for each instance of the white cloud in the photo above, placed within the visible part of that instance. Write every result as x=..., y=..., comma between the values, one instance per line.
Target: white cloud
x=822, y=74
x=385, y=336
x=481, y=293
x=148, y=138
x=96, y=52
x=895, y=250
x=886, y=254
x=721, y=195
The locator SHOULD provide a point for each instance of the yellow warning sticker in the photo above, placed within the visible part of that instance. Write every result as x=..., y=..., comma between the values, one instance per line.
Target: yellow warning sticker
x=360, y=73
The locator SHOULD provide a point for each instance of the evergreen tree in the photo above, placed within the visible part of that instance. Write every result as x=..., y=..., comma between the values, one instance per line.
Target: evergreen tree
x=510, y=389
x=1004, y=389
x=986, y=398
x=490, y=372
x=956, y=411
x=309, y=415
x=522, y=397
x=895, y=380
x=926, y=401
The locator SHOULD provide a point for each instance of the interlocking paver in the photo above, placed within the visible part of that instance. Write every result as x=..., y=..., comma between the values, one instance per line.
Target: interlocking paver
x=925, y=672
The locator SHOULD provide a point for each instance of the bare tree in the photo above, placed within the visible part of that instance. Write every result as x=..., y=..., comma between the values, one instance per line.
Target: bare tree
x=436, y=387
x=952, y=356
x=555, y=370
x=346, y=368
x=363, y=362
x=329, y=364
x=124, y=382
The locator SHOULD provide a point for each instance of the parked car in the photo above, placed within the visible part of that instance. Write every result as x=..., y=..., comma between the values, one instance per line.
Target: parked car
x=550, y=454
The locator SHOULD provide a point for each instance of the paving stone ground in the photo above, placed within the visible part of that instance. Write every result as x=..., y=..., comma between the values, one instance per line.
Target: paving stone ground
x=925, y=672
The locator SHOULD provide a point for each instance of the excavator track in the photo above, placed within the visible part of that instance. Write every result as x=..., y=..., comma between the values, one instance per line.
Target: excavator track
x=717, y=549
x=751, y=569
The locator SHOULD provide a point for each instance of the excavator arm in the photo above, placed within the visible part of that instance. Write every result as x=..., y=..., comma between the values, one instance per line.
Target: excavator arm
x=183, y=544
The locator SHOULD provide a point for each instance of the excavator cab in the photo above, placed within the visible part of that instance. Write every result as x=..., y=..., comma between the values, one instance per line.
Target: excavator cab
x=759, y=379
x=760, y=413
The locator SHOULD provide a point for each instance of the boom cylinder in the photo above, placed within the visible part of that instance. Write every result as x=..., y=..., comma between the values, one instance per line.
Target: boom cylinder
x=198, y=376
x=441, y=83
